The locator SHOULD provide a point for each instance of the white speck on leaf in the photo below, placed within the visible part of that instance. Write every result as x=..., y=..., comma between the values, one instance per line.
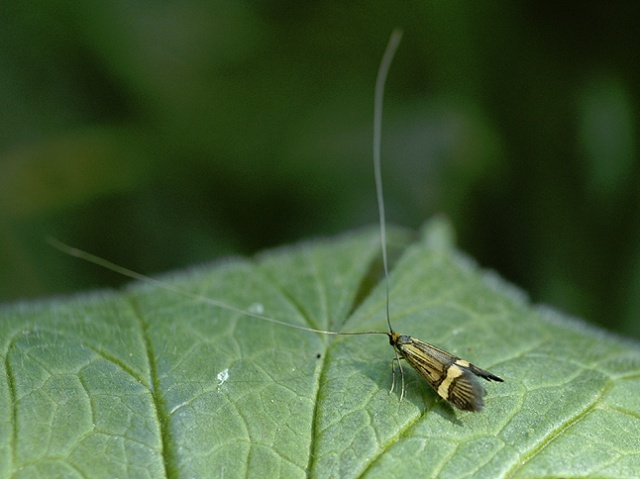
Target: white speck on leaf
x=256, y=308
x=222, y=377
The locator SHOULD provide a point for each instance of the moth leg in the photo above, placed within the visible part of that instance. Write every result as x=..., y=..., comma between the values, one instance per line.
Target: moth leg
x=402, y=380
x=393, y=374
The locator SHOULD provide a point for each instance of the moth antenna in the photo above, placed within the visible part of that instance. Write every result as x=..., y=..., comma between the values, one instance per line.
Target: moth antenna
x=97, y=260
x=389, y=53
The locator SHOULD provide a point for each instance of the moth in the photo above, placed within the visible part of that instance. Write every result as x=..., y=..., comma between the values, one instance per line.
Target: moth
x=453, y=379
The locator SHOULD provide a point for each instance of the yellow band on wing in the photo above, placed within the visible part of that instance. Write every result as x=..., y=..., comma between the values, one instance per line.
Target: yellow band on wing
x=452, y=373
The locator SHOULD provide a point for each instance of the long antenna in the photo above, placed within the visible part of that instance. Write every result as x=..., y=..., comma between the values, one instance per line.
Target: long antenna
x=91, y=258
x=389, y=53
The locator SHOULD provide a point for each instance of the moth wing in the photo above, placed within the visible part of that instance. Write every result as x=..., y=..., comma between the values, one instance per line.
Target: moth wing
x=465, y=391
x=447, y=358
x=483, y=373
x=454, y=379
x=421, y=358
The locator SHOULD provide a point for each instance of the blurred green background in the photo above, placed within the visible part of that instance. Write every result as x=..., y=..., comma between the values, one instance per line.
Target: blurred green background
x=164, y=134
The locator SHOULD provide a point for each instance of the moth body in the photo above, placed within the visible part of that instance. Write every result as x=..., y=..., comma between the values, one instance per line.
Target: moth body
x=454, y=379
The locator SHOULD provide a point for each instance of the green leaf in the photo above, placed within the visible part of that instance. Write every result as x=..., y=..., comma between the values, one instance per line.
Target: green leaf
x=149, y=383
